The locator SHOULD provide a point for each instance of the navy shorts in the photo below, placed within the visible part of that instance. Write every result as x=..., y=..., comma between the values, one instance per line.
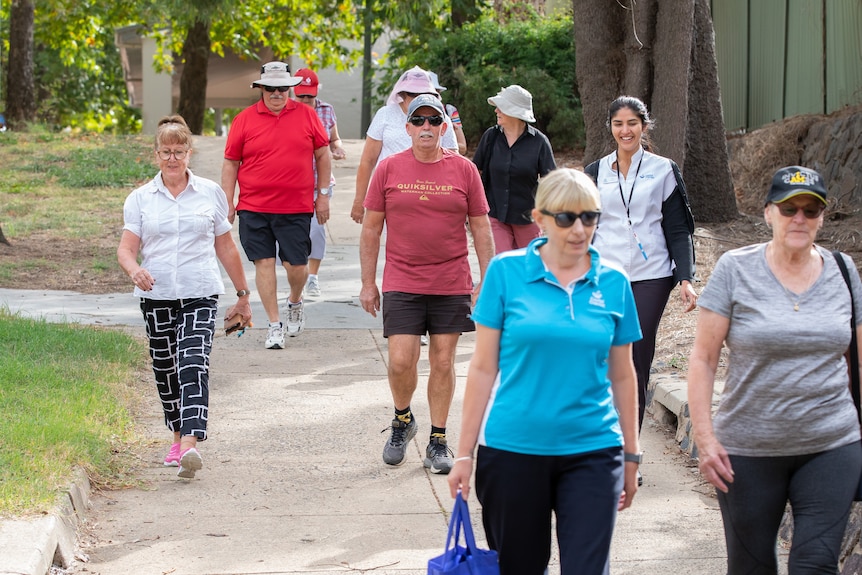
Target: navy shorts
x=266, y=236
x=416, y=314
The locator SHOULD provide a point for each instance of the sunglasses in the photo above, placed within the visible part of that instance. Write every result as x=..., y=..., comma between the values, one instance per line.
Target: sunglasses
x=568, y=219
x=306, y=97
x=419, y=121
x=789, y=210
x=272, y=89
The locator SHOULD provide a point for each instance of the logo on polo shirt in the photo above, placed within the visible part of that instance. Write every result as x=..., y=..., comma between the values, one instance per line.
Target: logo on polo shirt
x=596, y=299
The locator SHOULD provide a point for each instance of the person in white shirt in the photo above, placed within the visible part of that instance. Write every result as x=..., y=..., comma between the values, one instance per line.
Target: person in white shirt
x=646, y=226
x=178, y=222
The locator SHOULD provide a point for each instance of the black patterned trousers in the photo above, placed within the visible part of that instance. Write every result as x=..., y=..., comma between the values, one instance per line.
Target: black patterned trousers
x=181, y=335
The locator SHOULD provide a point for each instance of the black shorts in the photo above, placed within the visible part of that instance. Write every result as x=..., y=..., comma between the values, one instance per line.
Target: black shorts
x=262, y=234
x=415, y=314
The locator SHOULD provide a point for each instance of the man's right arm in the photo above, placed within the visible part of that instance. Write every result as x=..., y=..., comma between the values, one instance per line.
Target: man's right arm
x=370, y=153
x=369, y=248
x=229, y=172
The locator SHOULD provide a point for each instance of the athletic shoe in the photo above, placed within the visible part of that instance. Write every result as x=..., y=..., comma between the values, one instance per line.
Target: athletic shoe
x=438, y=456
x=189, y=463
x=172, y=459
x=295, y=319
x=275, y=337
x=312, y=287
x=423, y=340
x=396, y=447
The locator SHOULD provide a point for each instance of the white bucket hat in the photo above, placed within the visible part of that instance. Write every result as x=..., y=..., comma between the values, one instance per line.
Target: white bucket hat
x=514, y=101
x=276, y=74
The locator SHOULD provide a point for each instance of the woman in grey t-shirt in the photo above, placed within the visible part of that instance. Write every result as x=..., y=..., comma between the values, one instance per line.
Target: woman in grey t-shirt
x=786, y=428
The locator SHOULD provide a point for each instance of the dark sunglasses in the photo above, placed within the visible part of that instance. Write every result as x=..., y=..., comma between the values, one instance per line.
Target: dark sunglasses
x=272, y=89
x=789, y=210
x=568, y=219
x=420, y=120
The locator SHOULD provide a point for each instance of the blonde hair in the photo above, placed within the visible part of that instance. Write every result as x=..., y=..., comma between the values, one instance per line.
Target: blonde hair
x=173, y=130
x=565, y=189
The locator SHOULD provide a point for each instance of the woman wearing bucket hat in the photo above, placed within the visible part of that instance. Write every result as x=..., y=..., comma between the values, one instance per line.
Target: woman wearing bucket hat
x=387, y=133
x=786, y=428
x=511, y=157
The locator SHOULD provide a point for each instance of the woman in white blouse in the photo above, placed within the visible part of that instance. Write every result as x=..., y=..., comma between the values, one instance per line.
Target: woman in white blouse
x=178, y=223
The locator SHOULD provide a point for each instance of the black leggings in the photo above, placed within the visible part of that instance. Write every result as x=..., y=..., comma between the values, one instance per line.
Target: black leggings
x=650, y=298
x=820, y=488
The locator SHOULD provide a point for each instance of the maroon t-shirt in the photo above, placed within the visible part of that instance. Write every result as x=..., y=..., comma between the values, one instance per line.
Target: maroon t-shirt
x=426, y=206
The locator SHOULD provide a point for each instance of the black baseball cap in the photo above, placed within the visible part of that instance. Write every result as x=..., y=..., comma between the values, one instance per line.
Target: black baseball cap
x=793, y=181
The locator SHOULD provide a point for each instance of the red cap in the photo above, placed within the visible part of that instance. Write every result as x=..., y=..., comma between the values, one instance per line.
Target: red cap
x=308, y=85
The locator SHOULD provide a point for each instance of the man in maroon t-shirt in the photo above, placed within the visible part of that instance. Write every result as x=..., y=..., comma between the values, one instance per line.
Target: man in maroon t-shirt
x=424, y=195
x=269, y=152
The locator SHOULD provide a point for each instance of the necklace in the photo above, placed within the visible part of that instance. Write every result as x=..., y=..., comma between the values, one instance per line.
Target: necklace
x=794, y=300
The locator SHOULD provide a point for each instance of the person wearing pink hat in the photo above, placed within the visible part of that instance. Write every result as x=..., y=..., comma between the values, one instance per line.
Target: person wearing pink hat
x=270, y=152
x=306, y=93
x=386, y=135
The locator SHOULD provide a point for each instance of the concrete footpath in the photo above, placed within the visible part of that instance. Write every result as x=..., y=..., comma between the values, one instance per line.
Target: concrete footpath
x=293, y=480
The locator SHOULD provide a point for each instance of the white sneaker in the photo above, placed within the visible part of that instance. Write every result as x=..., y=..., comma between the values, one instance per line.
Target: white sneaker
x=312, y=287
x=423, y=340
x=295, y=319
x=275, y=337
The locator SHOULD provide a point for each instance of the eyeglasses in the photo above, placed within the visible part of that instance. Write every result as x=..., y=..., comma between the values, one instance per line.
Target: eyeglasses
x=166, y=154
x=810, y=212
x=272, y=89
x=568, y=219
x=419, y=121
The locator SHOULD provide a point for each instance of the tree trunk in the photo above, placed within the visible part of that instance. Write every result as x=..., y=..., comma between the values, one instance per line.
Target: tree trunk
x=599, y=58
x=20, y=81
x=193, y=80
x=463, y=12
x=3, y=239
x=663, y=53
x=707, y=165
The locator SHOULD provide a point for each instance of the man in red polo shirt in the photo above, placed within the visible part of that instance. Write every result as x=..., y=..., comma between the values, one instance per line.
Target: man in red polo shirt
x=269, y=152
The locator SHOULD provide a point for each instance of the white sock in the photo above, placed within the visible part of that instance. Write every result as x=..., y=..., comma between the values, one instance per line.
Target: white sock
x=275, y=324
x=312, y=276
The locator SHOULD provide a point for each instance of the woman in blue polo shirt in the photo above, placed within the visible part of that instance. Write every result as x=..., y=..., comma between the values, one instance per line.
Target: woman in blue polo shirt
x=551, y=397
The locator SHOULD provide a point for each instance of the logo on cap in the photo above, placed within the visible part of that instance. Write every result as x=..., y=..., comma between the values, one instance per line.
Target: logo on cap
x=799, y=178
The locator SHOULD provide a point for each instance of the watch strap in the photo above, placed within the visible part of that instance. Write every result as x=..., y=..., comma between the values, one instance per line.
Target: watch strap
x=242, y=292
x=633, y=457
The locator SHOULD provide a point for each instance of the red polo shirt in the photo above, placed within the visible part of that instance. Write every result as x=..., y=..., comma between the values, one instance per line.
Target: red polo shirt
x=276, y=153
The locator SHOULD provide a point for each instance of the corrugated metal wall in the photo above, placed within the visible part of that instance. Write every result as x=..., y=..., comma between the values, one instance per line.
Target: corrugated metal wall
x=779, y=58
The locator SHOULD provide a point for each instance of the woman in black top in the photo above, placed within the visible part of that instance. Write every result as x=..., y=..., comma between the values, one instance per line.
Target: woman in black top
x=511, y=157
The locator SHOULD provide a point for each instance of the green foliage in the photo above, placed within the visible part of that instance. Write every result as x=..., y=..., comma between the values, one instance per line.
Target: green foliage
x=476, y=61
x=72, y=385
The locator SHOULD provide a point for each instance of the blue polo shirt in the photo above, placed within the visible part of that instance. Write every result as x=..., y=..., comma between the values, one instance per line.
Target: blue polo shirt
x=552, y=395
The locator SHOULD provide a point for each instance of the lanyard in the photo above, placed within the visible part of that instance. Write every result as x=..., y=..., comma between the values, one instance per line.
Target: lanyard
x=627, y=205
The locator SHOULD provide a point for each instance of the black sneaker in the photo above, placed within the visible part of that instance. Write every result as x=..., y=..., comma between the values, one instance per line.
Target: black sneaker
x=396, y=447
x=438, y=456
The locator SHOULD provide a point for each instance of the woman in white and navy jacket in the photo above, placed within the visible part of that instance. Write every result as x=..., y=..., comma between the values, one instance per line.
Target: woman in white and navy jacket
x=646, y=225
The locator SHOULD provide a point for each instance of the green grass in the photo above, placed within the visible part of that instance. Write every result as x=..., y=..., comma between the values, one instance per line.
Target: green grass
x=66, y=396
x=73, y=185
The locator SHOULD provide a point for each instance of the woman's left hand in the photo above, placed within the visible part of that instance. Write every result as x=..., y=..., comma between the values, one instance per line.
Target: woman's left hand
x=687, y=295
x=630, y=486
x=242, y=307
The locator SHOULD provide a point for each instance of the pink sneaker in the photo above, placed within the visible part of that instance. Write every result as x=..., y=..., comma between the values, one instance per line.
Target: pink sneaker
x=190, y=461
x=172, y=459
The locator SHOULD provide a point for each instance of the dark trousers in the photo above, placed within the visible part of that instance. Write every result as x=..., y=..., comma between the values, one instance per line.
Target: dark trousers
x=650, y=298
x=820, y=489
x=519, y=492
x=181, y=335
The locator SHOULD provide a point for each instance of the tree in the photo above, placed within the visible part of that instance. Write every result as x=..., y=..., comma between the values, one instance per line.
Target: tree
x=664, y=53
x=20, y=81
x=314, y=31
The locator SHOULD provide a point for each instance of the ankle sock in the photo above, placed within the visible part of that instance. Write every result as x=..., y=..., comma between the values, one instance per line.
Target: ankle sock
x=438, y=432
x=404, y=415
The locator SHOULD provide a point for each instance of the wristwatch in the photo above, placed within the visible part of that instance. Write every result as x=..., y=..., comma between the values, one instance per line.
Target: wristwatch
x=325, y=191
x=633, y=457
x=242, y=292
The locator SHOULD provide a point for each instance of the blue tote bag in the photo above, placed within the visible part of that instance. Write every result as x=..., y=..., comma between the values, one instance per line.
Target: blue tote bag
x=467, y=560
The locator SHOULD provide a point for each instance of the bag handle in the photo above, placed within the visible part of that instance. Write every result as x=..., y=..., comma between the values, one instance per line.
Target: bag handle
x=854, y=349
x=460, y=521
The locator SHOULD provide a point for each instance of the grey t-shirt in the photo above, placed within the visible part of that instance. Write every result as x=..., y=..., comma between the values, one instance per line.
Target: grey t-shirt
x=787, y=390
